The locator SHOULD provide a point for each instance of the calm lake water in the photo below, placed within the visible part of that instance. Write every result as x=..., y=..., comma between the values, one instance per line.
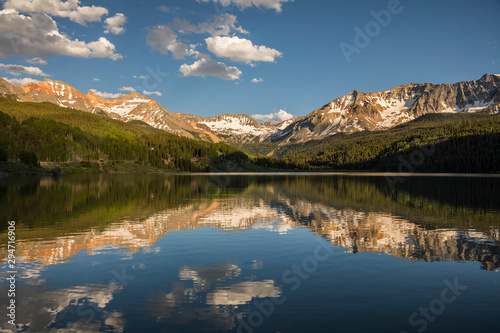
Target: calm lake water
x=291, y=253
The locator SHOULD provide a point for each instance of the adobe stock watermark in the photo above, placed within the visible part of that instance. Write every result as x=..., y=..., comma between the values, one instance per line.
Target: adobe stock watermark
x=415, y=159
x=372, y=29
x=420, y=320
x=153, y=80
x=293, y=278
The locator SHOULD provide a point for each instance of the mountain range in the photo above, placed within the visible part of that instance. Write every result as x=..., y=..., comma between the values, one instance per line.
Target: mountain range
x=386, y=109
x=351, y=113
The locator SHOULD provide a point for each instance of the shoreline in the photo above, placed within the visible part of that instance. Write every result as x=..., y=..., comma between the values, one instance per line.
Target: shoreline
x=342, y=173
x=44, y=174
x=13, y=169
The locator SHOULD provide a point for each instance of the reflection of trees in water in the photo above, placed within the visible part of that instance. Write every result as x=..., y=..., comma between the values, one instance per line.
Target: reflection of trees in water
x=45, y=202
x=418, y=221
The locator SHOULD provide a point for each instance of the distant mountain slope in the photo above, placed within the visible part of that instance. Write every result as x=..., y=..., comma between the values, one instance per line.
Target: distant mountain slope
x=133, y=106
x=385, y=109
x=351, y=113
x=234, y=128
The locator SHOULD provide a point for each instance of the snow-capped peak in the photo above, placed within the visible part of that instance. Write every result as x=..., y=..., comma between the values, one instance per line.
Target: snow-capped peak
x=357, y=111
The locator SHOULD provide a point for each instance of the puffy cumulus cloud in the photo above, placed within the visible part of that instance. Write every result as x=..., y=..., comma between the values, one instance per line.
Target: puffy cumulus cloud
x=114, y=25
x=217, y=26
x=21, y=82
x=240, y=49
x=163, y=39
x=38, y=35
x=206, y=66
x=70, y=9
x=259, y=80
x=139, y=76
x=36, y=61
x=106, y=95
x=103, y=48
x=127, y=89
x=96, y=79
x=242, y=4
x=274, y=118
x=18, y=70
x=149, y=93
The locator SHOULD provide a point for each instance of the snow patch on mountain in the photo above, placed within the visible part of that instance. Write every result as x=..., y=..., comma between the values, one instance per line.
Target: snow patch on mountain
x=125, y=107
x=236, y=126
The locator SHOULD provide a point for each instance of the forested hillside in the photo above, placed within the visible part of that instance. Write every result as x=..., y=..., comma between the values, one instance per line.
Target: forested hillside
x=432, y=143
x=33, y=132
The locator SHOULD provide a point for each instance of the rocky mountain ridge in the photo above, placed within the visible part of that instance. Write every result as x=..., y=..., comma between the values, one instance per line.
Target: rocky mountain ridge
x=234, y=128
x=353, y=112
x=382, y=110
x=133, y=106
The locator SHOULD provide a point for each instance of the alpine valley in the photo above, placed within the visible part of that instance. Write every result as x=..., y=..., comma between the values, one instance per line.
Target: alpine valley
x=353, y=112
x=365, y=114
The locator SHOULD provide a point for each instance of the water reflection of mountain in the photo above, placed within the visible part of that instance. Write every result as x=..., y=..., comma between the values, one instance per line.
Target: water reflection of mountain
x=359, y=214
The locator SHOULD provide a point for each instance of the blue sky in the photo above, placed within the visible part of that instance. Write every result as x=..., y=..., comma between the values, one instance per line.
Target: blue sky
x=206, y=53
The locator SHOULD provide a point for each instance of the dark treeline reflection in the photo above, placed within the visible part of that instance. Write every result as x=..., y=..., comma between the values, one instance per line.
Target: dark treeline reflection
x=422, y=218
x=35, y=202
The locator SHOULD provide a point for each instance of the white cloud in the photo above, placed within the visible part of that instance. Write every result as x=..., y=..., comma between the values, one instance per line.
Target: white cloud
x=139, y=76
x=96, y=79
x=106, y=95
x=36, y=61
x=242, y=4
x=166, y=9
x=70, y=9
x=259, y=80
x=44, y=39
x=103, y=48
x=127, y=89
x=114, y=25
x=241, y=293
x=163, y=39
x=149, y=93
x=274, y=118
x=218, y=26
x=18, y=70
x=21, y=82
x=206, y=66
x=240, y=49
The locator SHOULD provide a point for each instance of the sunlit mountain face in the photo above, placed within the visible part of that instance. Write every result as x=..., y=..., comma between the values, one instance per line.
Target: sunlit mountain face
x=198, y=253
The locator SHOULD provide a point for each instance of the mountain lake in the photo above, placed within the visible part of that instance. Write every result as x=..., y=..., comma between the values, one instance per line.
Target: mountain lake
x=251, y=253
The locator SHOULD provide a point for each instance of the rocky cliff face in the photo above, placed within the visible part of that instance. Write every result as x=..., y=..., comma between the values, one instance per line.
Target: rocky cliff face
x=385, y=109
x=133, y=106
